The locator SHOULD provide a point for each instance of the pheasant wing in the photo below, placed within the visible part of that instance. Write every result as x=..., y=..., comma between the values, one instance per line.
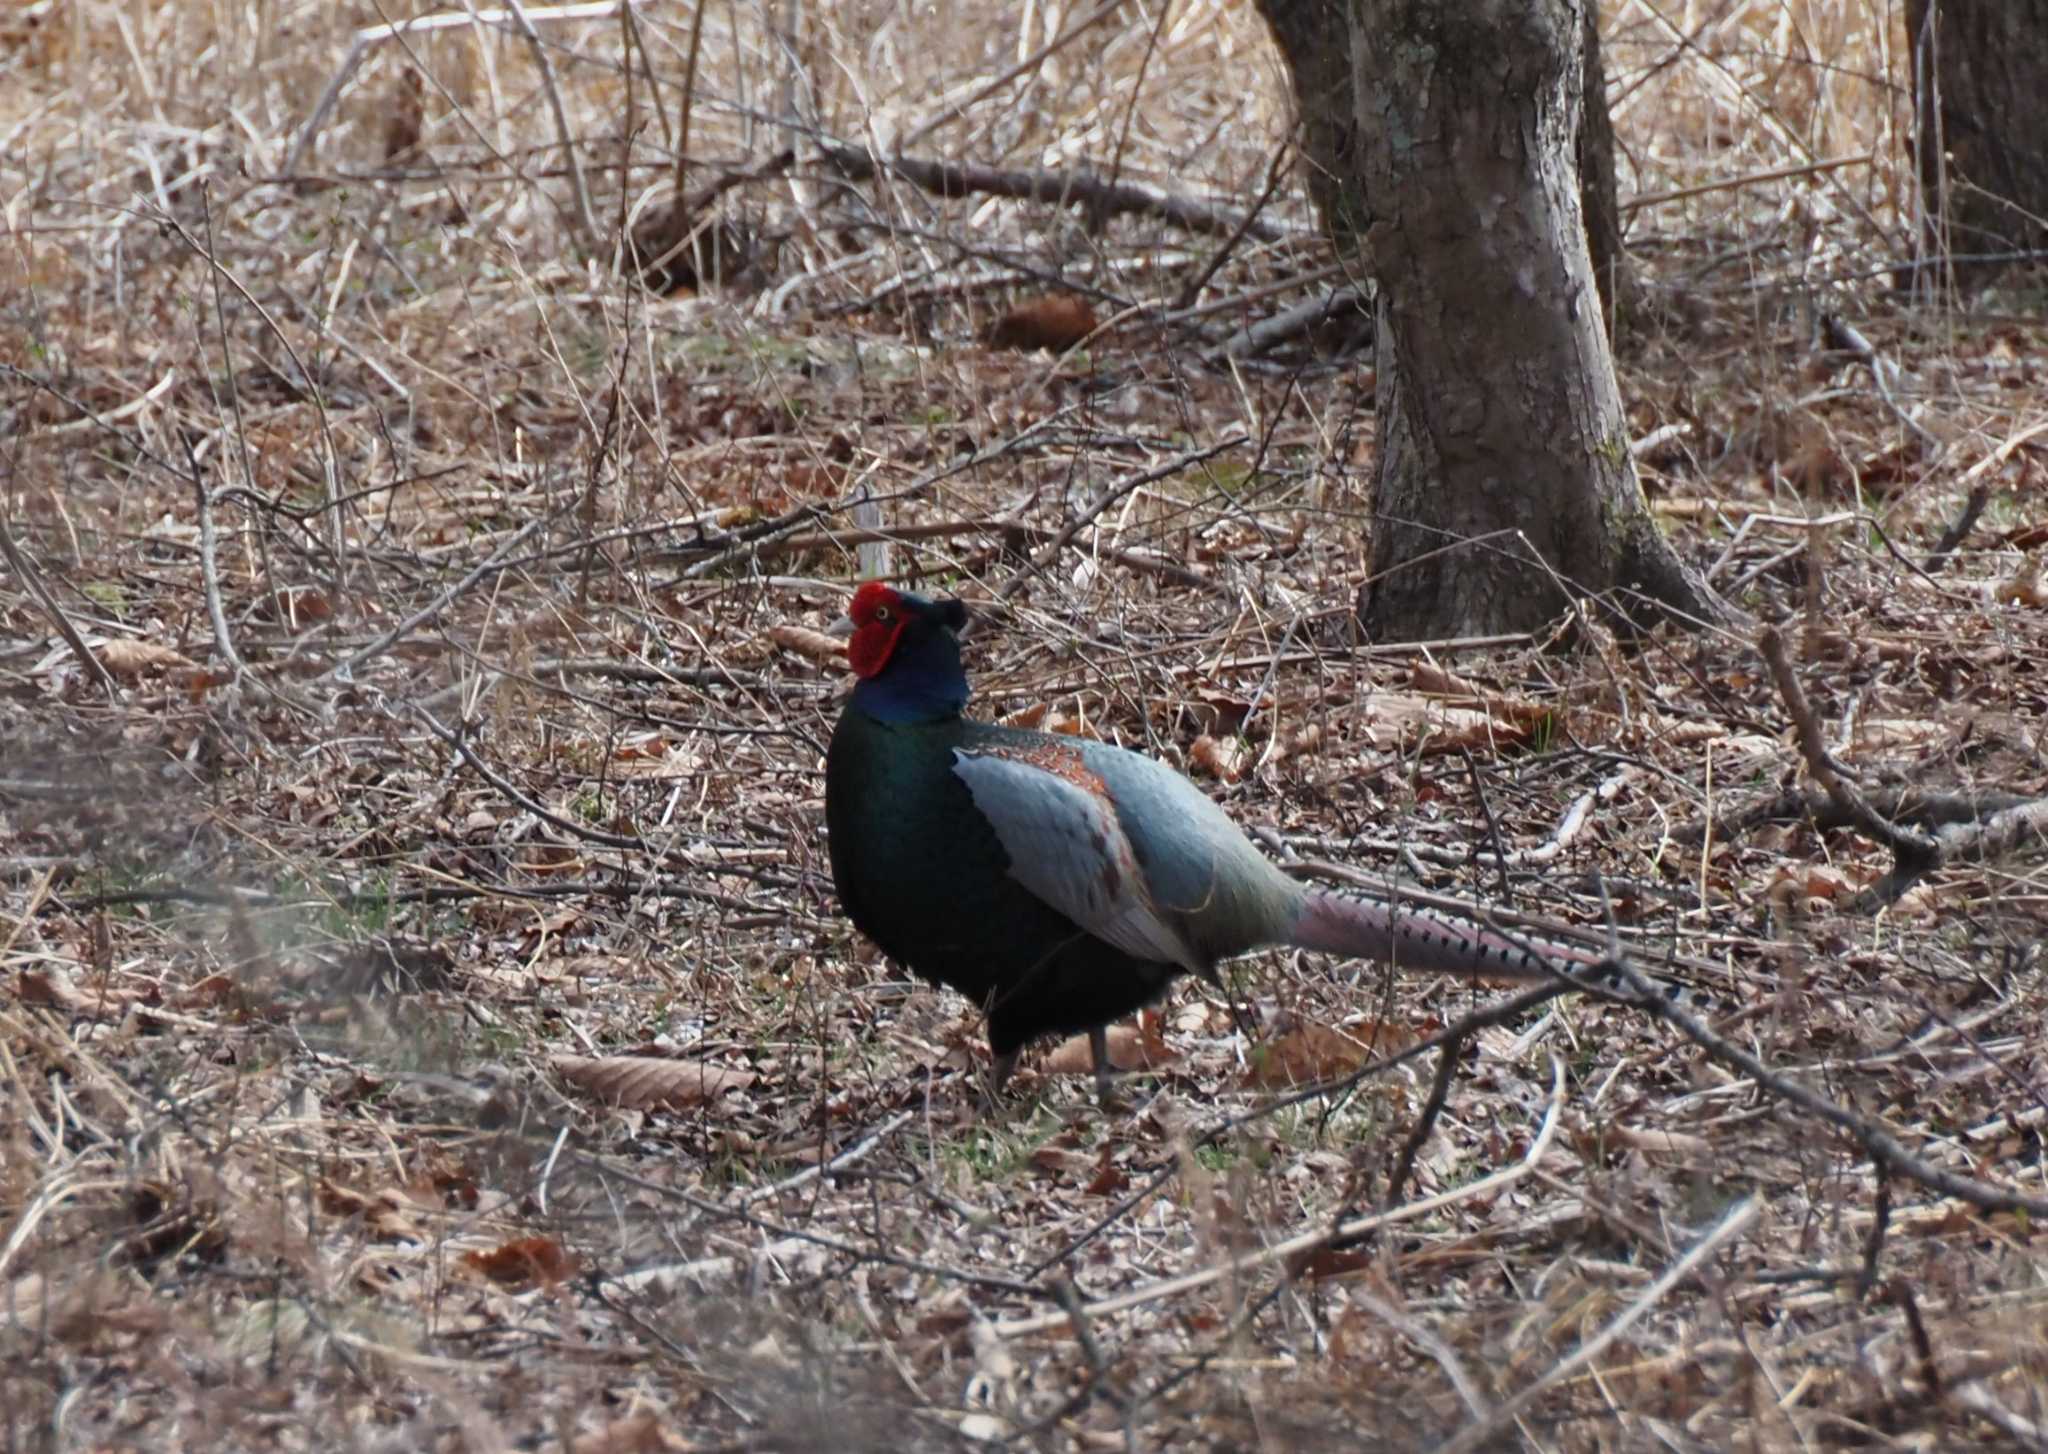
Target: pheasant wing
x=1055, y=820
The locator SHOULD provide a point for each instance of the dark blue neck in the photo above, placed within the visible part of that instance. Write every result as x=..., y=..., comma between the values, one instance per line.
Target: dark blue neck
x=923, y=681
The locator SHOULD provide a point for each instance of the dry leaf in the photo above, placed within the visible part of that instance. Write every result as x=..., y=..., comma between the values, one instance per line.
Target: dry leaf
x=1131, y=1047
x=1801, y=888
x=298, y=605
x=1215, y=711
x=59, y=992
x=131, y=659
x=1922, y=901
x=213, y=990
x=646, y=1082
x=391, y=1212
x=1405, y=722
x=1223, y=759
x=528, y=1262
x=1110, y=1176
x=1320, y=1262
x=1310, y=1052
x=2027, y=586
x=634, y=1434
x=1062, y=1160
x=1433, y=680
x=1055, y=324
x=1892, y=734
x=1657, y=1143
x=817, y=645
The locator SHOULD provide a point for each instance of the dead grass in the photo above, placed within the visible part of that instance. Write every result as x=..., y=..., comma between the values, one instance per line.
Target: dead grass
x=325, y=978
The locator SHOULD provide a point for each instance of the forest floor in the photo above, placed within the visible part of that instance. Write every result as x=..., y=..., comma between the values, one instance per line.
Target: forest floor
x=425, y=1018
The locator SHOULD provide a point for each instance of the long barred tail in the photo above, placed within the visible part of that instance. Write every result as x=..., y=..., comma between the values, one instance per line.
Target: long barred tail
x=1410, y=936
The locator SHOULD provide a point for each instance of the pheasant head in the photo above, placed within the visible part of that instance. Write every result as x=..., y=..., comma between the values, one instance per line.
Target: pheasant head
x=906, y=651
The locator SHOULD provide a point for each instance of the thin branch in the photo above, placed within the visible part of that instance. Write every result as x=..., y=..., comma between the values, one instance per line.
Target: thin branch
x=32, y=578
x=1276, y=173
x=209, y=566
x=497, y=560
x=1883, y=1148
x=1913, y=853
x=1166, y=469
x=1342, y=1231
x=1959, y=529
x=1478, y=1434
x=1439, y=1093
x=1101, y=197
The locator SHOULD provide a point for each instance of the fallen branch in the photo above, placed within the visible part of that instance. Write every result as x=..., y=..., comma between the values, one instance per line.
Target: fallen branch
x=1994, y=837
x=1269, y=333
x=1346, y=1230
x=1100, y=197
x=1959, y=530
x=1842, y=335
x=1884, y=1149
x=1899, y=802
x=1913, y=853
x=1477, y=1434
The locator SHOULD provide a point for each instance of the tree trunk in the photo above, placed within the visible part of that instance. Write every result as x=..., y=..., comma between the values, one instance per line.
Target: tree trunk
x=1504, y=484
x=1314, y=38
x=1980, y=103
x=1599, y=197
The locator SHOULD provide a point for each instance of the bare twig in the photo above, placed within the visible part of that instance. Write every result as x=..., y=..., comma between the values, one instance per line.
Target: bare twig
x=1439, y=1094
x=1748, y=179
x=586, y=215
x=832, y=1165
x=1873, y=1242
x=1914, y=853
x=1884, y=1148
x=1025, y=64
x=26, y=572
x=1275, y=174
x=370, y=35
x=1732, y=1225
x=1419, y=1333
x=496, y=561
x=1841, y=334
x=1099, y=196
x=209, y=567
x=1341, y=1231
x=1165, y=469
x=1959, y=529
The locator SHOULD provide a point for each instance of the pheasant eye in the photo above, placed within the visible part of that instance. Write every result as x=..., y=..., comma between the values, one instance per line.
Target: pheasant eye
x=883, y=613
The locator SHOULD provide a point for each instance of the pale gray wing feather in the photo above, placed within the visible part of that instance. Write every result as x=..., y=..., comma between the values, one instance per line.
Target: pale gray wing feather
x=1202, y=873
x=1066, y=846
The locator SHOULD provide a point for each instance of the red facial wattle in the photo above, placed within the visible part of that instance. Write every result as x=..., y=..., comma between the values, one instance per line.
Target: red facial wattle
x=878, y=616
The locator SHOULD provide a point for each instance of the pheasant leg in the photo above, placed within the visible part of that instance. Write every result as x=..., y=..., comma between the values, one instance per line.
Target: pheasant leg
x=1098, y=1048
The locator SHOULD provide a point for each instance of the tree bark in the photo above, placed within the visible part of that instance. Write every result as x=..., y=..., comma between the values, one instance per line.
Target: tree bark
x=1504, y=483
x=1314, y=39
x=1599, y=195
x=1980, y=104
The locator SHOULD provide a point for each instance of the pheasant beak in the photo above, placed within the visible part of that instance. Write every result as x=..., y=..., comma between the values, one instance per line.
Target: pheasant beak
x=841, y=628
